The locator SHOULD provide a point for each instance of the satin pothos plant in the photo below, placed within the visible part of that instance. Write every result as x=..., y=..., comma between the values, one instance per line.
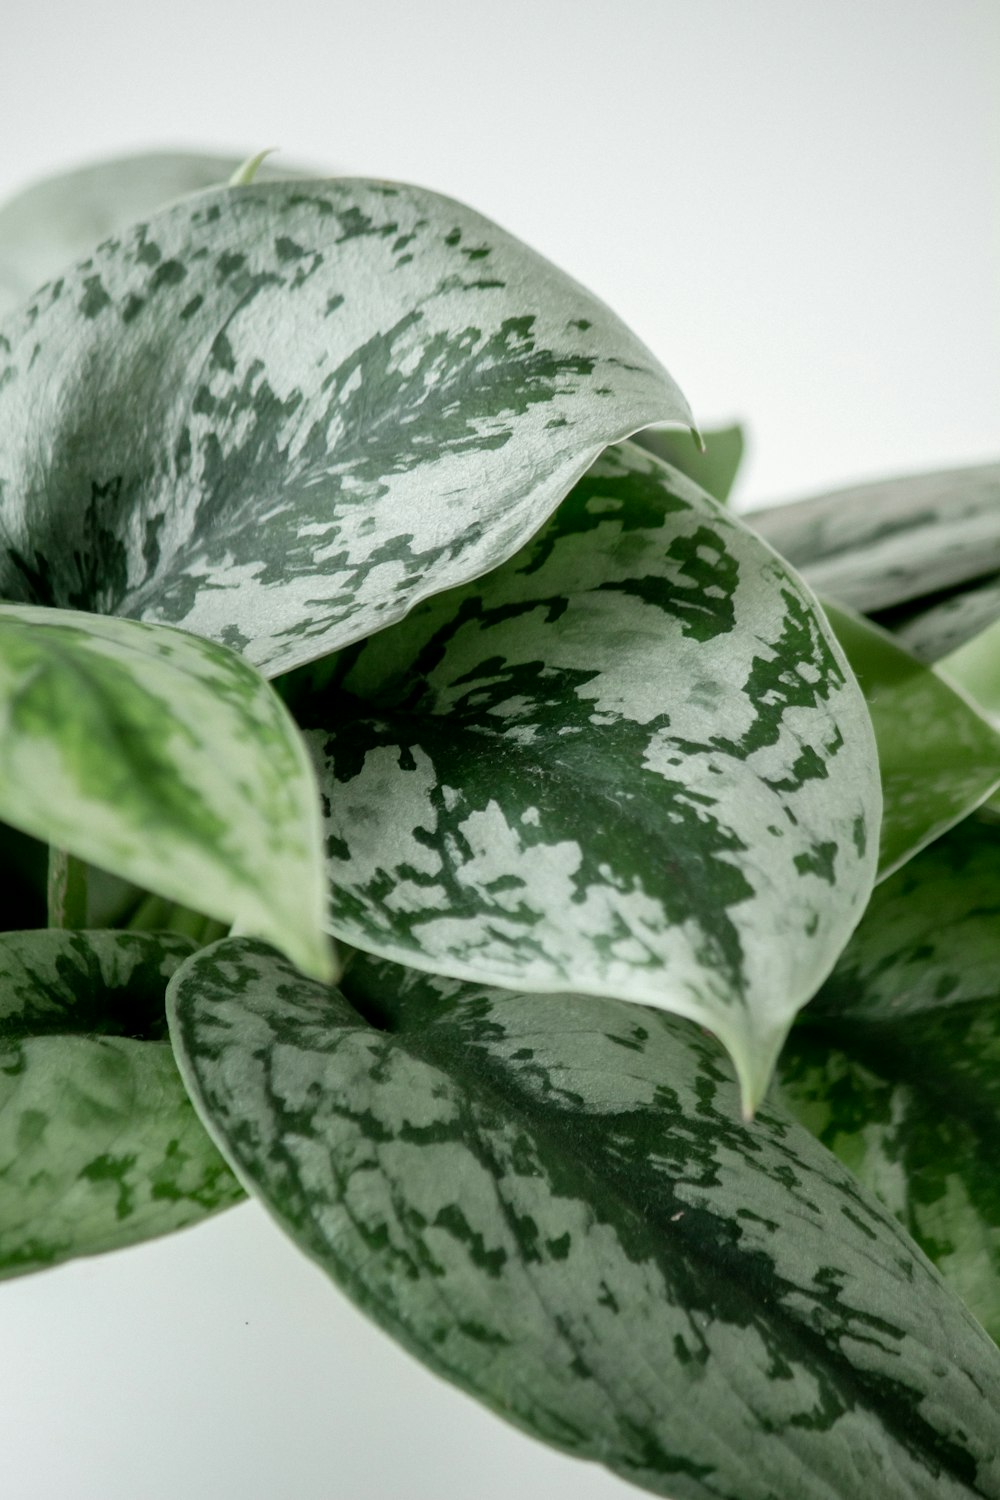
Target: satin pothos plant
x=430, y=811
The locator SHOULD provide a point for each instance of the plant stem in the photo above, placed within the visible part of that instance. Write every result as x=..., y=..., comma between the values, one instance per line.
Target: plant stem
x=156, y=913
x=66, y=890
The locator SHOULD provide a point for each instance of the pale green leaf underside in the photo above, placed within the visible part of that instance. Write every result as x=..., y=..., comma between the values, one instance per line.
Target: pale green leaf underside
x=975, y=669
x=551, y=1200
x=280, y=415
x=59, y=220
x=166, y=760
x=896, y=1063
x=939, y=757
x=714, y=468
x=880, y=545
x=630, y=762
x=99, y=1145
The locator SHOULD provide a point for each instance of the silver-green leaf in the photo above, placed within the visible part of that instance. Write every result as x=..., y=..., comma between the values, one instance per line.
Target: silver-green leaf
x=881, y=545
x=99, y=1145
x=166, y=760
x=280, y=415
x=552, y=1202
x=54, y=222
x=631, y=761
x=896, y=1063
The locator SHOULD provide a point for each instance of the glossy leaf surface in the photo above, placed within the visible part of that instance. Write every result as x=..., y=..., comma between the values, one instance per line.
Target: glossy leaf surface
x=280, y=415
x=99, y=1145
x=939, y=757
x=166, y=760
x=630, y=761
x=879, y=545
x=551, y=1201
x=896, y=1063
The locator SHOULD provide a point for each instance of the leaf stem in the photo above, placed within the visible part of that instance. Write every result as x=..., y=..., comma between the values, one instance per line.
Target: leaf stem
x=66, y=890
x=156, y=913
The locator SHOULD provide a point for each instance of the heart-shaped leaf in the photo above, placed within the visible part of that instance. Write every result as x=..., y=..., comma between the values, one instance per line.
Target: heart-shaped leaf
x=99, y=1145
x=939, y=757
x=280, y=415
x=551, y=1201
x=631, y=761
x=57, y=221
x=167, y=760
x=896, y=1063
x=880, y=545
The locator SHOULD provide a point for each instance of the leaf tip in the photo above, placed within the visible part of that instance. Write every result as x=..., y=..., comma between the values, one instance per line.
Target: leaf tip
x=247, y=170
x=754, y=1056
x=317, y=956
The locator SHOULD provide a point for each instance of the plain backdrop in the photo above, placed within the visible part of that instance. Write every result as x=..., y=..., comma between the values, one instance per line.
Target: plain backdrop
x=796, y=204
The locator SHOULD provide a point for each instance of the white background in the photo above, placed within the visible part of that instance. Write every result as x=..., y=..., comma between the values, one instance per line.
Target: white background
x=796, y=204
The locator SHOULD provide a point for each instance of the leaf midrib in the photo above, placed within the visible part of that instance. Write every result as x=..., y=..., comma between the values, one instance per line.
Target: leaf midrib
x=853, y=1388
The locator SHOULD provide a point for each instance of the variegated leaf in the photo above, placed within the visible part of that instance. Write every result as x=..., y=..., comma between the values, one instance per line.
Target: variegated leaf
x=896, y=1063
x=99, y=1145
x=166, y=760
x=280, y=415
x=939, y=757
x=880, y=545
x=552, y=1202
x=631, y=762
x=714, y=466
x=59, y=220
x=936, y=629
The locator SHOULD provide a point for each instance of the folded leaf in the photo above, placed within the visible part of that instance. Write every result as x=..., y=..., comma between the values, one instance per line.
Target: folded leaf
x=896, y=1063
x=99, y=1145
x=939, y=757
x=280, y=415
x=551, y=1201
x=59, y=220
x=880, y=545
x=166, y=760
x=631, y=761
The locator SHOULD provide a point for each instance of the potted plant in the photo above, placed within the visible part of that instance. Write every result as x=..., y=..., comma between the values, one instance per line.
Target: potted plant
x=465, y=835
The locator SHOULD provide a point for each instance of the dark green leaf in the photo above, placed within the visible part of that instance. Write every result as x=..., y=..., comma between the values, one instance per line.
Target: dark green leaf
x=939, y=756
